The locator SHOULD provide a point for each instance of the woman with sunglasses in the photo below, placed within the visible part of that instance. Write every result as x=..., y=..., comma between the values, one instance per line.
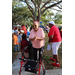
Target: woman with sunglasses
x=37, y=37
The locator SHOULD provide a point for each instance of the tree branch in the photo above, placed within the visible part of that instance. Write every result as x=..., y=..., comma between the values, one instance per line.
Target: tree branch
x=40, y=1
x=30, y=8
x=59, y=7
x=56, y=10
x=34, y=4
x=45, y=4
x=14, y=18
x=50, y=6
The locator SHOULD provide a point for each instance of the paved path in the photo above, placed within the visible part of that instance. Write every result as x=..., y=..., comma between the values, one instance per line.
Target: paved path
x=16, y=67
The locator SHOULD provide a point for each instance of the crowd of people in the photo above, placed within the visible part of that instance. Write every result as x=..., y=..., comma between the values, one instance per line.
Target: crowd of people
x=23, y=35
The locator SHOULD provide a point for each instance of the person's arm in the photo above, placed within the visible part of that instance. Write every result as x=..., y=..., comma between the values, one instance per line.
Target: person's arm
x=50, y=38
x=42, y=35
x=40, y=38
x=31, y=39
x=51, y=34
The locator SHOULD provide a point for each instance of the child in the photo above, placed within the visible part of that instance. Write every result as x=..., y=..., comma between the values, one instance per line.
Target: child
x=19, y=40
x=24, y=43
x=15, y=38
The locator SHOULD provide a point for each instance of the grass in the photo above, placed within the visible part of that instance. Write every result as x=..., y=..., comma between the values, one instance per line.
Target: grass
x=48, y=54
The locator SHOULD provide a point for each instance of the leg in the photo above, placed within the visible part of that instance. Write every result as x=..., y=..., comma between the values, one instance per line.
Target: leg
x=55, y=50
x=56, y=58
x=18, y=47
x=15, y=48
x=26, y=55
x=40, y=53
x=35, y=53
x=55, y=47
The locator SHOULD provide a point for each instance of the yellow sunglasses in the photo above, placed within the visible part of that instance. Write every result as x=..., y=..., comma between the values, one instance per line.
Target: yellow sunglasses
x=34, y=25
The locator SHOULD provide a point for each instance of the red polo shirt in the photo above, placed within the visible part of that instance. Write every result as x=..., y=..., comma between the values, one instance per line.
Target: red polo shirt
x=55, y=31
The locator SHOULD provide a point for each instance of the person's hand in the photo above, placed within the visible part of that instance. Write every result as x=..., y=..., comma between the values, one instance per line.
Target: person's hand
x=49, y=41
x=34, y=38
x=37, y=38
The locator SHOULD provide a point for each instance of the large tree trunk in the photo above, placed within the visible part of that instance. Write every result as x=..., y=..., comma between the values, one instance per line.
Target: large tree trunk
x=42, y=9
x=39, y=13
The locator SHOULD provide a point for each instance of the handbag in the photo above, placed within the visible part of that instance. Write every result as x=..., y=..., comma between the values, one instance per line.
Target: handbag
x=49, y=47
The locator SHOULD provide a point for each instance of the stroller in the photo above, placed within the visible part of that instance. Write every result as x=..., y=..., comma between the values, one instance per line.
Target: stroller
x=34, y=66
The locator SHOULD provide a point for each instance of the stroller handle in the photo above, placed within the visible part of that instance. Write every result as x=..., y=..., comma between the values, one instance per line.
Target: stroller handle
x=28, y=60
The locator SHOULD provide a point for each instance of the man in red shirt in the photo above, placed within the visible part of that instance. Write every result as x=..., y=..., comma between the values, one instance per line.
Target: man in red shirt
x=55, y=38
x=24, y=29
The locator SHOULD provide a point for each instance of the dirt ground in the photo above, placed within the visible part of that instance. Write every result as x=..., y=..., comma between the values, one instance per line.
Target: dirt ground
x=14, y=56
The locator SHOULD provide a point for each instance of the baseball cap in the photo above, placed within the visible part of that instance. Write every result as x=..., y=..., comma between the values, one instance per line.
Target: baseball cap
x=22, y=31
x=51, y=22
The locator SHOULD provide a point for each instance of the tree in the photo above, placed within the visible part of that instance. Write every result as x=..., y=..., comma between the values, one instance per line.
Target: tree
x=47, y=16
x=40, y=6
x=19, y=13
x=58, y=18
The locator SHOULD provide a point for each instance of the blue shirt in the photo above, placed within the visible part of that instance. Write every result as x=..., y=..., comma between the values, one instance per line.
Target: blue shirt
x=28, y=33
x=19, y=38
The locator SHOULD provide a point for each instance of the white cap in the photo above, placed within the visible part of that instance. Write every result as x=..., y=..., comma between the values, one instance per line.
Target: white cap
x=22, y=31
x=52, y=22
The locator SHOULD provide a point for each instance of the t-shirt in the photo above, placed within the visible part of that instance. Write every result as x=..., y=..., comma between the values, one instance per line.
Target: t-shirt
x=19, y=38
x=55, y=31
x=39, y=34
x=28, y=33
x=24, y=43
x=61, y=34
x=15, y=37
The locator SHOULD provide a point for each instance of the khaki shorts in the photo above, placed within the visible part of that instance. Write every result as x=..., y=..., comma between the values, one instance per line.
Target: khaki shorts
x=55, y=47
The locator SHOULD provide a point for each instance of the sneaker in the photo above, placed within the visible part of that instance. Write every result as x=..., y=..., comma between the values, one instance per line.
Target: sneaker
x=55, y=64
x=52, y=59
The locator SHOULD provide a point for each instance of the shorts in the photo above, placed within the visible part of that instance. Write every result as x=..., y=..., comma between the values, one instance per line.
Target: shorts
x=55, y=47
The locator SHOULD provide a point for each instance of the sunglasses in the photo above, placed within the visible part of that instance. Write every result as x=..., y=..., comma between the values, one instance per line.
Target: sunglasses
x=34, y=25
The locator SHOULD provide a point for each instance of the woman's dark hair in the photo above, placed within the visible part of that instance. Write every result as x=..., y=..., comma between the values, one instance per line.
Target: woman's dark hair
x=24, y=37
x=30, y=28
x=15, y=27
